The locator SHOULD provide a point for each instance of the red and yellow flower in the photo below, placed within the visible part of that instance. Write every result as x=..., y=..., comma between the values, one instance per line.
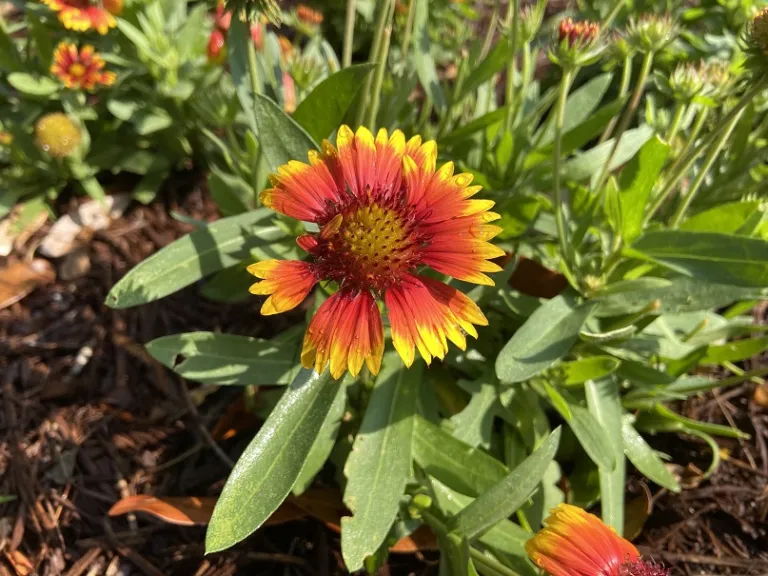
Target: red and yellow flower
x=84, y=15
x=384, y=211
x=82, y=70
x=576, y=543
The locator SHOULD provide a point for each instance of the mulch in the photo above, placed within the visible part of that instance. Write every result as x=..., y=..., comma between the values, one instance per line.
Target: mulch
x=89, y=418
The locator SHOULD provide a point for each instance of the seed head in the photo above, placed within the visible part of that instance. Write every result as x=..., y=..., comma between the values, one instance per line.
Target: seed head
x=57, y=134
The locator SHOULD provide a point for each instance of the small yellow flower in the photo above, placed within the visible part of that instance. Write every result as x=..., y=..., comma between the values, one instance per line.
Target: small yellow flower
x=5, y=138
x=57, y=134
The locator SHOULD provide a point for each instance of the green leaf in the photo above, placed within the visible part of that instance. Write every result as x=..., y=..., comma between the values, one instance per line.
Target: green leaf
x=645, y=458
x=379, y=465
x=237, y=54
x=461, y=133
x=473, y=424
x=497, y=59
x=325, y=441
x=456, y=464
x=267, y=470
x=579, y=371
x=505, y=537
x=735, y=351
x=721, y=258
x=588, y=163
x=122, y=109
x=580, y=105
x=422, y=57
x=604, y=404
x=222, y=359
x=280, y=137
x=232, y=194
x=323, y=110
x=33, y=86
x=545, y=337
x=219, y=245
x=151, y=121
x=680, y=294
x=636, y=183
x=9, y=55
x=592, y=436
x=724, y=218
x=229, y=285
x=509, y=494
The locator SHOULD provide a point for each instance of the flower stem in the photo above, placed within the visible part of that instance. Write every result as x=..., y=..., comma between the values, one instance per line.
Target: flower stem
x=674, y=126
x=562, y=231
x=714, y=150
x=490, y=566
x=349, y=33
x=408, y=32
x=373, y=57
x=381, y=68
x=626, y=118
x=253, y=69
x=605, y=24
x=685, y=162
x=626, y=76
x=513, y=16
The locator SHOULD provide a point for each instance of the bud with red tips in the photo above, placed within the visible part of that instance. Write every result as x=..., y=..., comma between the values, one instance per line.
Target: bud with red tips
x=576, y=43
x=222, y=19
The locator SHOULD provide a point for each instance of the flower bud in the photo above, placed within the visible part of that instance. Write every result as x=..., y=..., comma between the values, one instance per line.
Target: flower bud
x=252, y=9
x=222, y=18
x=685, y=83
x=530, y=20
x=217, y=50
x=576, y=43
x=651, y=33
x=57, y=134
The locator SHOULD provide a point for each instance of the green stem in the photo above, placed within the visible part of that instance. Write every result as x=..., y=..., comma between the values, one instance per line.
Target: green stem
x=662, y=197
x=562, y=231
x=712, y=154
x=605, y=24
x=349, y=33
x=513, y=16
x=490, y=565
x=381, y=68
x=525, y=78
x=674, y=126
x=682, y=167
x=253, y=69
x=488, y=41
x=626, y=76
x=373, y=58
x=408, y=32
x=626, y=118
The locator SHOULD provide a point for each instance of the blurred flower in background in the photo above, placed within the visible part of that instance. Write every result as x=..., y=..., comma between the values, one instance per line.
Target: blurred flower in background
x=84, y=15
x=82, y=70
x=57, y=134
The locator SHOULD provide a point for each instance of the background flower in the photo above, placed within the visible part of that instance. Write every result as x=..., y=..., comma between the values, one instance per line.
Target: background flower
x=81, y=70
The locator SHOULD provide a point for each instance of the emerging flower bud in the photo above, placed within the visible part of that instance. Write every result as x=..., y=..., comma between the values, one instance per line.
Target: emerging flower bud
x=255, y=8
x=217, y=50
x=57, y=134
x=576, y=43
x=577, y=33
x=530, y=20
x=758, y=32
x=222, y=18
x=685, y=83
x=306, y=20
x=652, y=33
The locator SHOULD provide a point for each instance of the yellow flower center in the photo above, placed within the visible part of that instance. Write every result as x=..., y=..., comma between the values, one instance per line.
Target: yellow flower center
x=77, y=70
x=369, y=247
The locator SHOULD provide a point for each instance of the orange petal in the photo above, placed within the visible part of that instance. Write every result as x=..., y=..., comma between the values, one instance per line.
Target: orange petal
x=286, y=282
x=347, y=332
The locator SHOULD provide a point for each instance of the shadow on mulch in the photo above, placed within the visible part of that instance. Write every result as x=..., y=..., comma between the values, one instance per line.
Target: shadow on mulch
x=89, y=418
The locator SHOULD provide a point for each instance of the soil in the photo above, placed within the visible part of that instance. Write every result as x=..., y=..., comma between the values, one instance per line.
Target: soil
x=89, y=418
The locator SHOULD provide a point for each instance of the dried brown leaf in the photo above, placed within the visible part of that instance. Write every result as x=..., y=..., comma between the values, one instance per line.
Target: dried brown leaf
x=17, y=279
